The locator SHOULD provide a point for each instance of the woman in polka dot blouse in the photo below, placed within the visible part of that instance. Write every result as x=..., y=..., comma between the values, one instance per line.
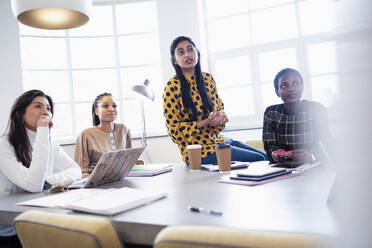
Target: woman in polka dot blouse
x=103, y=137
x=193, y=110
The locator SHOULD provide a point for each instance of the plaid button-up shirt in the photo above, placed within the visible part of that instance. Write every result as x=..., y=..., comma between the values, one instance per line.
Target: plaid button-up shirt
x=302, y=130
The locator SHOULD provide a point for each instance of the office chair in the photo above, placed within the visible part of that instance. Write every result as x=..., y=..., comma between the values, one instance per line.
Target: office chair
x=38, y=229
x=207, y=237
x=258, y=144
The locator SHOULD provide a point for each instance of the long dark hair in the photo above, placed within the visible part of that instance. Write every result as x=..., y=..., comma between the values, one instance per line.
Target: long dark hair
x=185, y=86
x=17, y=135
x=95, y=117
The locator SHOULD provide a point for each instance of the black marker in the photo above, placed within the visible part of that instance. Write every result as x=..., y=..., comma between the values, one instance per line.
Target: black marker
x=205, y=211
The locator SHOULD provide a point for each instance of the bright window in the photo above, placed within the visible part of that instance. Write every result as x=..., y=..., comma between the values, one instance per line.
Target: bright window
x=323, y=71
x=249, y=41
x=231, y=32
x=269, y=64
x=324, y=11
x=274, y=24
x=118, y=48
x=43, y=53
x=140, y=49
x=234, y=71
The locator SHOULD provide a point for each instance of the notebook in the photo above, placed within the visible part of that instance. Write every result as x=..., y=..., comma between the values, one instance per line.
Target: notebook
x=111, y=167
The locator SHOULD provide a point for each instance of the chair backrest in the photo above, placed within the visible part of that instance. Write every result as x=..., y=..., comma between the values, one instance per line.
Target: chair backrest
x=207, y=237
x=37, y=229
x=256, y=144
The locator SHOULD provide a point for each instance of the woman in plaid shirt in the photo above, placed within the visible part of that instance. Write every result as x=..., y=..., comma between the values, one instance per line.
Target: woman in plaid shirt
x=296, y=126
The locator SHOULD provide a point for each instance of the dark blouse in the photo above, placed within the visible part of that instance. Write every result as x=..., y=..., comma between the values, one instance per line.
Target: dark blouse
x=303, y=130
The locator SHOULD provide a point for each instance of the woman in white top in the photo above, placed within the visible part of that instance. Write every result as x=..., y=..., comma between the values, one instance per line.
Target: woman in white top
x=103, y=137
x=29, y=159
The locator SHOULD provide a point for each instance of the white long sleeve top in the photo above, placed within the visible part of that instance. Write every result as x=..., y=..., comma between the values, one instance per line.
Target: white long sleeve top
x=49, y=163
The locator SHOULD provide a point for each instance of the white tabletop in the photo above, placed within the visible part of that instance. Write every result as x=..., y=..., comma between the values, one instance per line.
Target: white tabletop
x=297, y=204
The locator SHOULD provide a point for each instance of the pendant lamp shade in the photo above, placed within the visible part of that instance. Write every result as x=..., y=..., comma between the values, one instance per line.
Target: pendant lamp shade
x=52, y=14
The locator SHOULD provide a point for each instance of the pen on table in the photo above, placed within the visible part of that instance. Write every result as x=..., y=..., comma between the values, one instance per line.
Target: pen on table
x=203, y=210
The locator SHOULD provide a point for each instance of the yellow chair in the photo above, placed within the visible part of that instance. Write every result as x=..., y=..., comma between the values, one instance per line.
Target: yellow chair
x=256, y=144
x=207, y=237
x=38, y=229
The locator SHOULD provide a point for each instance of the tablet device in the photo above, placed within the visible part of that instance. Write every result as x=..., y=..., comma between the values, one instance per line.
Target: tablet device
x=259, y=171
x=257, y=179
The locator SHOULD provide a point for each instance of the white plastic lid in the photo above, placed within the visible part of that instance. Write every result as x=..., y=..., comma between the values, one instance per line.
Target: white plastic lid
x=196, y=146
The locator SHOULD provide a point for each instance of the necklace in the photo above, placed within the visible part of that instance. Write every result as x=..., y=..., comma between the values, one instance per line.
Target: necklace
x=112, y=141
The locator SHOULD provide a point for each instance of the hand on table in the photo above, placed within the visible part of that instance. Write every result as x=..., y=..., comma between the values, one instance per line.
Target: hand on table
x=280, y=157
x=300, y=155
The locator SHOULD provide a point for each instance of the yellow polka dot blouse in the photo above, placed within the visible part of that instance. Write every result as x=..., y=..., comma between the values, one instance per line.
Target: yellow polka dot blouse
x=180, y=128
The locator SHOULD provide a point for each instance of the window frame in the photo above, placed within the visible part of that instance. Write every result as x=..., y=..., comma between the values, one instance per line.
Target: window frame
x=300, y=44
x=119, y=96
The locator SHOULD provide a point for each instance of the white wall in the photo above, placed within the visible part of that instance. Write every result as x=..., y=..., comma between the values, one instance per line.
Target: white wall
x=184, y=22
x=10, y=64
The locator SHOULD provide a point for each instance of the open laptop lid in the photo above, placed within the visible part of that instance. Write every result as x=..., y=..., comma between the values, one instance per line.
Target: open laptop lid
x=113, y=166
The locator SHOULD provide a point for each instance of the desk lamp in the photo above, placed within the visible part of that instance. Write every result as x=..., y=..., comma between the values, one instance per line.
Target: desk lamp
x=52, y=14
x=146, y=91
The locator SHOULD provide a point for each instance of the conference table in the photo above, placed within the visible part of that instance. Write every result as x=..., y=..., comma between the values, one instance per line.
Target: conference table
x=296, y=204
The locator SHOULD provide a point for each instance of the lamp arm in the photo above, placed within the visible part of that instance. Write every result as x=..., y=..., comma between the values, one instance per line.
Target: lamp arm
x=144, y=142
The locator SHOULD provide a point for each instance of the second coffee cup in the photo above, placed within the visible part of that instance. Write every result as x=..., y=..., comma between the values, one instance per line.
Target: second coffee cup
x=194, y=152
x=223, y=153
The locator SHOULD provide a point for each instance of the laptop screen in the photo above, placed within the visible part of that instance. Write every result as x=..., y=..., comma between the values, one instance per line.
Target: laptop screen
x=113, y=166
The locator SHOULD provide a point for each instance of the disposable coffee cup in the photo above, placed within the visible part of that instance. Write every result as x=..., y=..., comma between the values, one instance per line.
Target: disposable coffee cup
x=223, y=153
x=194, y=152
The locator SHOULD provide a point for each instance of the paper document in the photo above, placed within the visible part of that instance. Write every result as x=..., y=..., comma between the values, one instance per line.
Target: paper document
x=115, y=201
x=59, y=200
x=97, y=201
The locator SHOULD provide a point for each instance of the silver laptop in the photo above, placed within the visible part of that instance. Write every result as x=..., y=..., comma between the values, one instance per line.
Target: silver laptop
x=111, y=167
